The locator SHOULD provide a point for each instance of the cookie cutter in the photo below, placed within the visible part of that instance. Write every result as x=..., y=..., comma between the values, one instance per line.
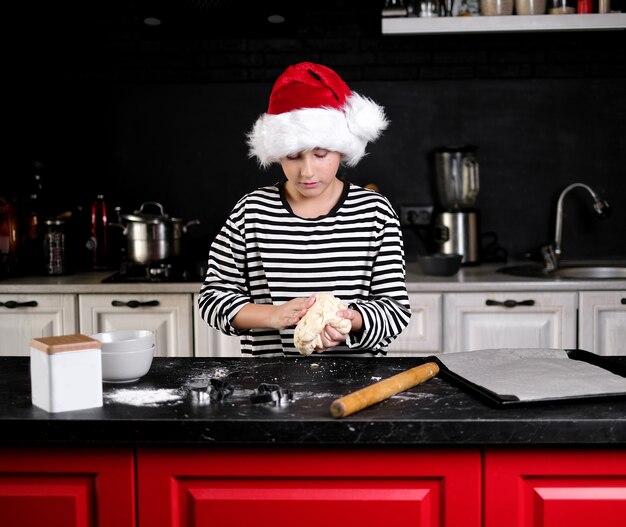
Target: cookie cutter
x=199, y=393
x=213, y=391
x=219, y=389
x=271, y=393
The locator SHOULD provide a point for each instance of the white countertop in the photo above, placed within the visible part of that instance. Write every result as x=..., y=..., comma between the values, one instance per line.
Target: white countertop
x=90, y=282
x=486, y=278
x=469, y=279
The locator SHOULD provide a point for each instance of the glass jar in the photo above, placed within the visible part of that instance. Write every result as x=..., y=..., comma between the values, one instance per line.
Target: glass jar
x=562, y=7
x=496, y=7
x=54, y=247
x=530, y=7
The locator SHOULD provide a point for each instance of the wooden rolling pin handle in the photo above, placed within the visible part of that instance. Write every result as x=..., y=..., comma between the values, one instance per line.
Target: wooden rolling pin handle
x=382, y=390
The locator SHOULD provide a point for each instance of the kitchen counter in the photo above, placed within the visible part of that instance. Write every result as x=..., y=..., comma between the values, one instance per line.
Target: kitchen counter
x=484, y=278
x=477, y=278
x=90, y=282
x=160, y=408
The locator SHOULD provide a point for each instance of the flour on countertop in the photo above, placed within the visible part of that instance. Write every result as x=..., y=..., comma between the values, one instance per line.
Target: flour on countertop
x=219, y=373
x=144, y=397
x=414, y=395
x=313, y=395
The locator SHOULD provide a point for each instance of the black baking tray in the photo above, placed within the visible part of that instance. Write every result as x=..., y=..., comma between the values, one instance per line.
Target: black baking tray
x=503, y=400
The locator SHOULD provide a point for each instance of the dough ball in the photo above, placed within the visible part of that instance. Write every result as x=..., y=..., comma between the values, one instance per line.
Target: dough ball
x=311, y=325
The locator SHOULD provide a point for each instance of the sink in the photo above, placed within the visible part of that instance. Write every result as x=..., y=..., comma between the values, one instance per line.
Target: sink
x=596, y=272
x=573, y=271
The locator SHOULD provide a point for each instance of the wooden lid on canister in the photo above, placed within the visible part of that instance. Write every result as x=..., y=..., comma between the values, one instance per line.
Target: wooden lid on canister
x=62, y=343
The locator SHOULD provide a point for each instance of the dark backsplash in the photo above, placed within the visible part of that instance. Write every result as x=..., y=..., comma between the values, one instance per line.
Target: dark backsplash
x=138, y=116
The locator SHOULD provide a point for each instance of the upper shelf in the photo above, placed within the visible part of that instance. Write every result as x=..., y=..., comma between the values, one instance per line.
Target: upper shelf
x=494, y=24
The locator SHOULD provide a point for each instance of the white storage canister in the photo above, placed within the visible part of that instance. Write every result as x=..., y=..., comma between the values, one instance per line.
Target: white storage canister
x=66, y=373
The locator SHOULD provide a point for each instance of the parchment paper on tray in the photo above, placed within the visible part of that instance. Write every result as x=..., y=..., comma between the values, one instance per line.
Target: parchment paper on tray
x=533, y=374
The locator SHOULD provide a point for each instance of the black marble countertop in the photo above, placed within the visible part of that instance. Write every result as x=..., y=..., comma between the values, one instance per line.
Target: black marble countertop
x=161, y=408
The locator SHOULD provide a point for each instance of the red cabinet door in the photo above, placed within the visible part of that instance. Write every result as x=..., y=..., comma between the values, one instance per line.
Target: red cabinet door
x=194, y=487
x=546, y=488
x=67, y=487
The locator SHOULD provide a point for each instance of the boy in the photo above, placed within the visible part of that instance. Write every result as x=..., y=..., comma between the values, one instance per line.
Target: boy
x=311, y=233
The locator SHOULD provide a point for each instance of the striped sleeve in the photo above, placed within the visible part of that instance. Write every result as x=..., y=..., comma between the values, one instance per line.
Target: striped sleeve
x=225, y=288
x=386, y=311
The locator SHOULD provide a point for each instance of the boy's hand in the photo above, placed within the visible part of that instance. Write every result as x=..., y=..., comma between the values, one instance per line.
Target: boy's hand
x=290, y=313
x=332, y=337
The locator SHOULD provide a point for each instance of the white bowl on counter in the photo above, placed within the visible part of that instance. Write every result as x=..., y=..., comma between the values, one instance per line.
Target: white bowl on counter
x=126, y=366
x=125, y=340
x=126, y=354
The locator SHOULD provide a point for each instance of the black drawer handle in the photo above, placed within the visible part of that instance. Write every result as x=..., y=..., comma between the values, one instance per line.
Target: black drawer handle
x=12, y=304
x=510, y=303
x=624, y=301
x=135, y=303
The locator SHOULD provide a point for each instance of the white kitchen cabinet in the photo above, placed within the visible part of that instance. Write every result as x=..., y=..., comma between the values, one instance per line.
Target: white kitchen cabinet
x=168, y=315
x=208, y=341
x=25, y=316
x=602, y=325
x=509, y=320
x=423, y=334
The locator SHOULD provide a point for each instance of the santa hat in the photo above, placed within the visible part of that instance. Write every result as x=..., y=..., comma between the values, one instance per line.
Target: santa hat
x=312, y=107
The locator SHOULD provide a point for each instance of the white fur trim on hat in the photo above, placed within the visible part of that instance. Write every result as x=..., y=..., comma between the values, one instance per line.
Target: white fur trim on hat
x=346, y=130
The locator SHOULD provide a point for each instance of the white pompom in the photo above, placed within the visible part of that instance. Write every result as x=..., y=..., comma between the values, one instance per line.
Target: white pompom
x=365, y=118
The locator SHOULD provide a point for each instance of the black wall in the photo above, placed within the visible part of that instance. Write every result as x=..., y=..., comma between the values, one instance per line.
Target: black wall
x=144, y=116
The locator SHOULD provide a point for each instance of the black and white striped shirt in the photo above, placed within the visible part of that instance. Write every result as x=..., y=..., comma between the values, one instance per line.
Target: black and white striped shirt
x=267, y=255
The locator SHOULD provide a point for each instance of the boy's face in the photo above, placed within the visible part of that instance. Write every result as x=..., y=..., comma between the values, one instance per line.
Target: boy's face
x=311, y=173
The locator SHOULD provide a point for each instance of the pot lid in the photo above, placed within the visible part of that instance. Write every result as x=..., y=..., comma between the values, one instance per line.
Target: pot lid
x=148, y=217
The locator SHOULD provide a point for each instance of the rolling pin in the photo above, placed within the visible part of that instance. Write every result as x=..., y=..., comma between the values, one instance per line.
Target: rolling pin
x=382, y=390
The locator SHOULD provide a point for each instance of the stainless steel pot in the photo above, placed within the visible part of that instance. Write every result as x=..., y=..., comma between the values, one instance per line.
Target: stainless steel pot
x=153, y=237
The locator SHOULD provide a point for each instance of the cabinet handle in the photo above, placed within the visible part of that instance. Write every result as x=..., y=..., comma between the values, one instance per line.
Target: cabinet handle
x=12, y=304
x=510, y=303
x=624, y=301
x=135, y=303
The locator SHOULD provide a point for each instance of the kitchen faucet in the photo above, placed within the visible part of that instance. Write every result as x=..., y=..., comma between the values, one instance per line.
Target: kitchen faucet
x=551, y=253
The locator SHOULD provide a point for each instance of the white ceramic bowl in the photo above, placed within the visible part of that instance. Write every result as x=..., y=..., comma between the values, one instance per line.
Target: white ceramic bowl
x=126, y=366
x=125, y=340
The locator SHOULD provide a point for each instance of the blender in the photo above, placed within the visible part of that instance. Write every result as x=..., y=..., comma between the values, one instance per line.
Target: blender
x=457, y=221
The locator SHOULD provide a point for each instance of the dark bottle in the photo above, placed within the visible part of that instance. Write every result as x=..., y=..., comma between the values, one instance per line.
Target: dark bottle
x=99, y=226
x=31, y=255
